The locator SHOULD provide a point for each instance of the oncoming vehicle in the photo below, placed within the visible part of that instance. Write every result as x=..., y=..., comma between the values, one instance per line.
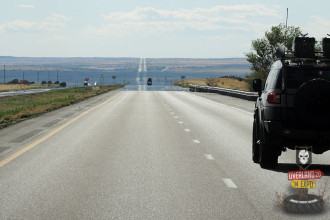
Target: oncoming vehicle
x=149, y=82
x=294, y=107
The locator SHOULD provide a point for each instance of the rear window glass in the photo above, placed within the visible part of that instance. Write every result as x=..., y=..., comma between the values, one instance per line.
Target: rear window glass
x=297, y=76
x=274, y=79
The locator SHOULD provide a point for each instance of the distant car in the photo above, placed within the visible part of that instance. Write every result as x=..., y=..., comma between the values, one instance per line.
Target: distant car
x=149, y=82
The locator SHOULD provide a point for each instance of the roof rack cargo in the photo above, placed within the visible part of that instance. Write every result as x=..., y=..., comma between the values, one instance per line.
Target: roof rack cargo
x=303, y=51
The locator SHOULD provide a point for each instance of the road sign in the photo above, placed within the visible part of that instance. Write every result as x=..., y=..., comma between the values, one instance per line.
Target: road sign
x=303, y=184
x=303, y=157
x=305, y=174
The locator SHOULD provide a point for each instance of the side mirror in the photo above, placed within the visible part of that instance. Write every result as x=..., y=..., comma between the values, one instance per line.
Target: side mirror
x=257, y=86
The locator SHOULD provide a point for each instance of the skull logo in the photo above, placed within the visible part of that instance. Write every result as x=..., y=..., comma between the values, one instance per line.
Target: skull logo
x=303, y=156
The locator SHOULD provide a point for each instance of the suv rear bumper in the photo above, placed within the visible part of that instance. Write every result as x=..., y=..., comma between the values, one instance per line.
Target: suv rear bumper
x=291, y=137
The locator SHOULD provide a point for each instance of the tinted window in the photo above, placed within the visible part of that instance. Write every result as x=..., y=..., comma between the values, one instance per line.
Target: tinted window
x=297, y=76
x=274, y=79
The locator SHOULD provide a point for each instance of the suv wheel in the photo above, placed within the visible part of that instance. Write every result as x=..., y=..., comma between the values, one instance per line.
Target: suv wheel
x=268, y=156
x=255, y=143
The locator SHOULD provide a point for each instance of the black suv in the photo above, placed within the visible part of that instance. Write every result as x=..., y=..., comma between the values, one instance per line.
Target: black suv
x=294, y=107
x=149, y=82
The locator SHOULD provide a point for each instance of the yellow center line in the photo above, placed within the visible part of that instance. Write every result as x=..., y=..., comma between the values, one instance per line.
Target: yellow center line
x=23, y=150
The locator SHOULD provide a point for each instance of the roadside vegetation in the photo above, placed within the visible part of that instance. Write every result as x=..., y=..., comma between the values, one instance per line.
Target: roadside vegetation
x=15, y=87
x=262, y=54
x=223, y=82
x=20, y=107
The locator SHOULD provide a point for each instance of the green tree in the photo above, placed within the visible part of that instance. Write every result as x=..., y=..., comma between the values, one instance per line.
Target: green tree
x=262, y=55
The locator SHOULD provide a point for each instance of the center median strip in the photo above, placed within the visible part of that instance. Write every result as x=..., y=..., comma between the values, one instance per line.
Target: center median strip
x=30, y=146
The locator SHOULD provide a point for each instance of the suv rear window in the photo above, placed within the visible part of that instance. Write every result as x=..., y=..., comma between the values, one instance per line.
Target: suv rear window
x=297, y=76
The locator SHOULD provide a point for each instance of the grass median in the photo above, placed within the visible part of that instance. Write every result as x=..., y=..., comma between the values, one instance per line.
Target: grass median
x=20, y=107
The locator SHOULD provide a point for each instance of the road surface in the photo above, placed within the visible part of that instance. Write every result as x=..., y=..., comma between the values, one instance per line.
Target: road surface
x=143, y=155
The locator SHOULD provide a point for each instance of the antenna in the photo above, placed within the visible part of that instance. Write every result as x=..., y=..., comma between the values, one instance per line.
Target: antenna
x=286, y=32
x=287, y=16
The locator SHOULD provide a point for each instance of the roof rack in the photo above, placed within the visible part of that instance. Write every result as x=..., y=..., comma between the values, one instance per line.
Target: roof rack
x=303, y=52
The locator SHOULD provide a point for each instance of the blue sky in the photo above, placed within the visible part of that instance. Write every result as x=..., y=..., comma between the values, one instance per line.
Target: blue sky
x=148, y=28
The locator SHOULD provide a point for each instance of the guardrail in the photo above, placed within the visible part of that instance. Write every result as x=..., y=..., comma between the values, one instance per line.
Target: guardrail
x=252, y=96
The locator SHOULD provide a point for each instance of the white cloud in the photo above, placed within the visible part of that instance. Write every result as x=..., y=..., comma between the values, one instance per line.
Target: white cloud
x=26, y=6
x=145, y=21
x=318, y=27
x=52, y=23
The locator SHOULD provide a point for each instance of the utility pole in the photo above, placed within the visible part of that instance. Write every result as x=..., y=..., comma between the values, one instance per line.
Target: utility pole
x=38, y=77
x=23, y=77
x=57, y=75
x=48, y=76
x=4, y=74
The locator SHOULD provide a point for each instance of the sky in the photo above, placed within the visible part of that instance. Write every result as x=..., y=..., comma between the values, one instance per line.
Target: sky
x=149, y=28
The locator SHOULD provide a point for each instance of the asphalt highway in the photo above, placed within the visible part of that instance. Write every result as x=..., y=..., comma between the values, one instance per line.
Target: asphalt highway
x=143, y=155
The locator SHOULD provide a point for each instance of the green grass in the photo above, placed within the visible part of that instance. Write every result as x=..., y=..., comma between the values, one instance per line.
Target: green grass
x=17, y=108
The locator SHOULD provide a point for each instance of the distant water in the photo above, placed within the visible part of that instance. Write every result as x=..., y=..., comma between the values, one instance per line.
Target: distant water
x=137, y=80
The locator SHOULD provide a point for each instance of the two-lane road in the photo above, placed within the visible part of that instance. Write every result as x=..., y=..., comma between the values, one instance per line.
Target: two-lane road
x=142, y=155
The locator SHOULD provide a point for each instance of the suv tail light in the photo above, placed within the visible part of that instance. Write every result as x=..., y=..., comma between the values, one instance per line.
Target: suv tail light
x=274, y=98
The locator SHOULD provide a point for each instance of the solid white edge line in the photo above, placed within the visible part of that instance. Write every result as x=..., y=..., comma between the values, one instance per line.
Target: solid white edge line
x=229, y=183
x=209, y=156
x=221, y=104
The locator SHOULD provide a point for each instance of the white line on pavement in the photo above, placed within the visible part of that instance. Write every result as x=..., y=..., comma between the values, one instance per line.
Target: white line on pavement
x=196, y=141
x=209, y=156
x=180, y=122
x=230, y=183
x=187, y=130
x=211, y=101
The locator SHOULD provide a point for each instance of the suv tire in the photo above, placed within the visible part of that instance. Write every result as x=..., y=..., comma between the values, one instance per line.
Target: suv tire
x=255, y=144
x=268, y=156
x=314, y=204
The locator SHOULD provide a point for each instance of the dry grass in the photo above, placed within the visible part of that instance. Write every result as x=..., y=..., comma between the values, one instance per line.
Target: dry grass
x=279, y=199
x=224, y=82
x=19, y=107
x=323, y=192
x=12, y=87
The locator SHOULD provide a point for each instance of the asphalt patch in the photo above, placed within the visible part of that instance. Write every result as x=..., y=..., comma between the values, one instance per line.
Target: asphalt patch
x=25, y=136
x=68, y=115
x=2, y=149
x=52, y=123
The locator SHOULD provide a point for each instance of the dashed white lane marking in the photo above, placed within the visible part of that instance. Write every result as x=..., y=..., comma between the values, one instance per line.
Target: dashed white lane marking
x=180, y=122
x=196, y=141
x=230, y=183
x=187, y=130
x=172, y=113
x=175, y=116
x=209, y=156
